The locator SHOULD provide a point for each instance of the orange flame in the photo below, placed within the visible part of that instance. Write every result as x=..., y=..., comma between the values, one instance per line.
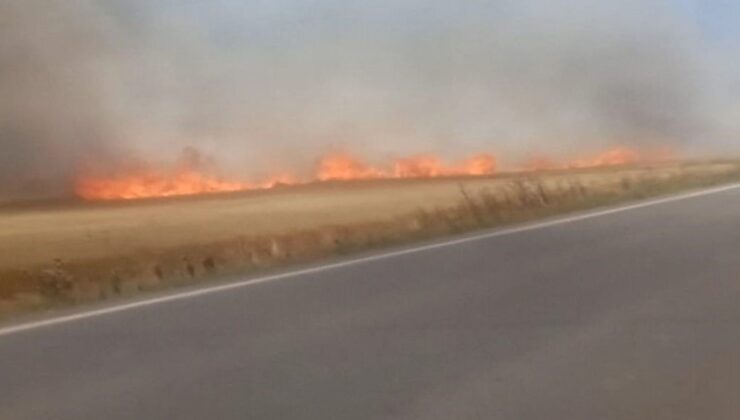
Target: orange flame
x=191, y=174
x=153, y=184
x=194, y=175
x=618, y=156
x=483, y=164
x=612, y=157
x=190, y=177
x=422, y=166
x=345, y=167
x=428, y=166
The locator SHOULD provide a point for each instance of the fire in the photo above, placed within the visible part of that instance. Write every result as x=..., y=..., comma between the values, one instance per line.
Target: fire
x=618, y=156
x=191, y=175
x=483, y=164
x=194, y=175
x=428, y=166
x=149, y=183
x=345, y=167
x=422, y=166
x=612, y=157
x=274, y=181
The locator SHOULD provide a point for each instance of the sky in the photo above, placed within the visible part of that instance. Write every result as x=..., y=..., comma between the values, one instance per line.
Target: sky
x=717, y=19
x=268, y=84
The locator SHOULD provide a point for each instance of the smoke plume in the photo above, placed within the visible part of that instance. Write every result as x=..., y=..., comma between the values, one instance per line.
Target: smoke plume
x=89, y=84
x=54, y=112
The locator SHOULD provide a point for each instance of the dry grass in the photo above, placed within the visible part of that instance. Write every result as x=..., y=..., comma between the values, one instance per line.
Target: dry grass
x=61, y=254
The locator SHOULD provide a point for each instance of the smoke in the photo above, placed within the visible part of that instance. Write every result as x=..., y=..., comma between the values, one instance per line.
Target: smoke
x=53, y=112
x=270, y=85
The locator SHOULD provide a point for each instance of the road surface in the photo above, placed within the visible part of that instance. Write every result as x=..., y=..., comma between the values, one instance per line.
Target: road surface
x=629, y=315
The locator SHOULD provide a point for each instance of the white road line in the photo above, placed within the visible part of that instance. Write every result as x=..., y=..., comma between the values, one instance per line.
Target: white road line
x=221, y=288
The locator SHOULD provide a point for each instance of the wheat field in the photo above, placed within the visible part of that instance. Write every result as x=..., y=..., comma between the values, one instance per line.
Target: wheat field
x=70, y=252
x=31, y=236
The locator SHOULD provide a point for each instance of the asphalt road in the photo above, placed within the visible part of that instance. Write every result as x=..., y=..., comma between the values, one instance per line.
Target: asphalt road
x=631, y=315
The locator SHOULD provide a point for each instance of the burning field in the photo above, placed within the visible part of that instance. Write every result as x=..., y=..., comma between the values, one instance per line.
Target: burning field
x=193, y=175
x=86, y=251
x=311, y=132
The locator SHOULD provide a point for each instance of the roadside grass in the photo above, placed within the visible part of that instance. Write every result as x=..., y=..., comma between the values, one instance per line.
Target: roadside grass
x=59, y=256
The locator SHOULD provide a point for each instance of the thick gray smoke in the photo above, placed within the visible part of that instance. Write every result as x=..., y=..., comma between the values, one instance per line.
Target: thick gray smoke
x=270, y=85
x=53, y=112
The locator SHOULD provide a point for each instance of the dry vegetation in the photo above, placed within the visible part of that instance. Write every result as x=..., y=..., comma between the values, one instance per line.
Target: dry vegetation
x=61, y=254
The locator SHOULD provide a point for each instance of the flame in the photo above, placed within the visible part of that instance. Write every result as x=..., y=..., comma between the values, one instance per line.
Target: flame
x=345, y=167
x=193, y=174
x=482, y=164
x=428, y=166
x=273, y=181
x=422, y=166
x=611, y=157
x=150, y=183
x=618, y=156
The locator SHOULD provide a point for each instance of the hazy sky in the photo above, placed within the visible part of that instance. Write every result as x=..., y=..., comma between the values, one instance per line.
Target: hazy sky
x=414, y=74
x=266, y=84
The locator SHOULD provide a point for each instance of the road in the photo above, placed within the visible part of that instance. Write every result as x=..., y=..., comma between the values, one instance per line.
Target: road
x=629, y=315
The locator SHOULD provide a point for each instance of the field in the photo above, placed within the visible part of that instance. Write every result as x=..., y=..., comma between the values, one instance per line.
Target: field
x=62, y=253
